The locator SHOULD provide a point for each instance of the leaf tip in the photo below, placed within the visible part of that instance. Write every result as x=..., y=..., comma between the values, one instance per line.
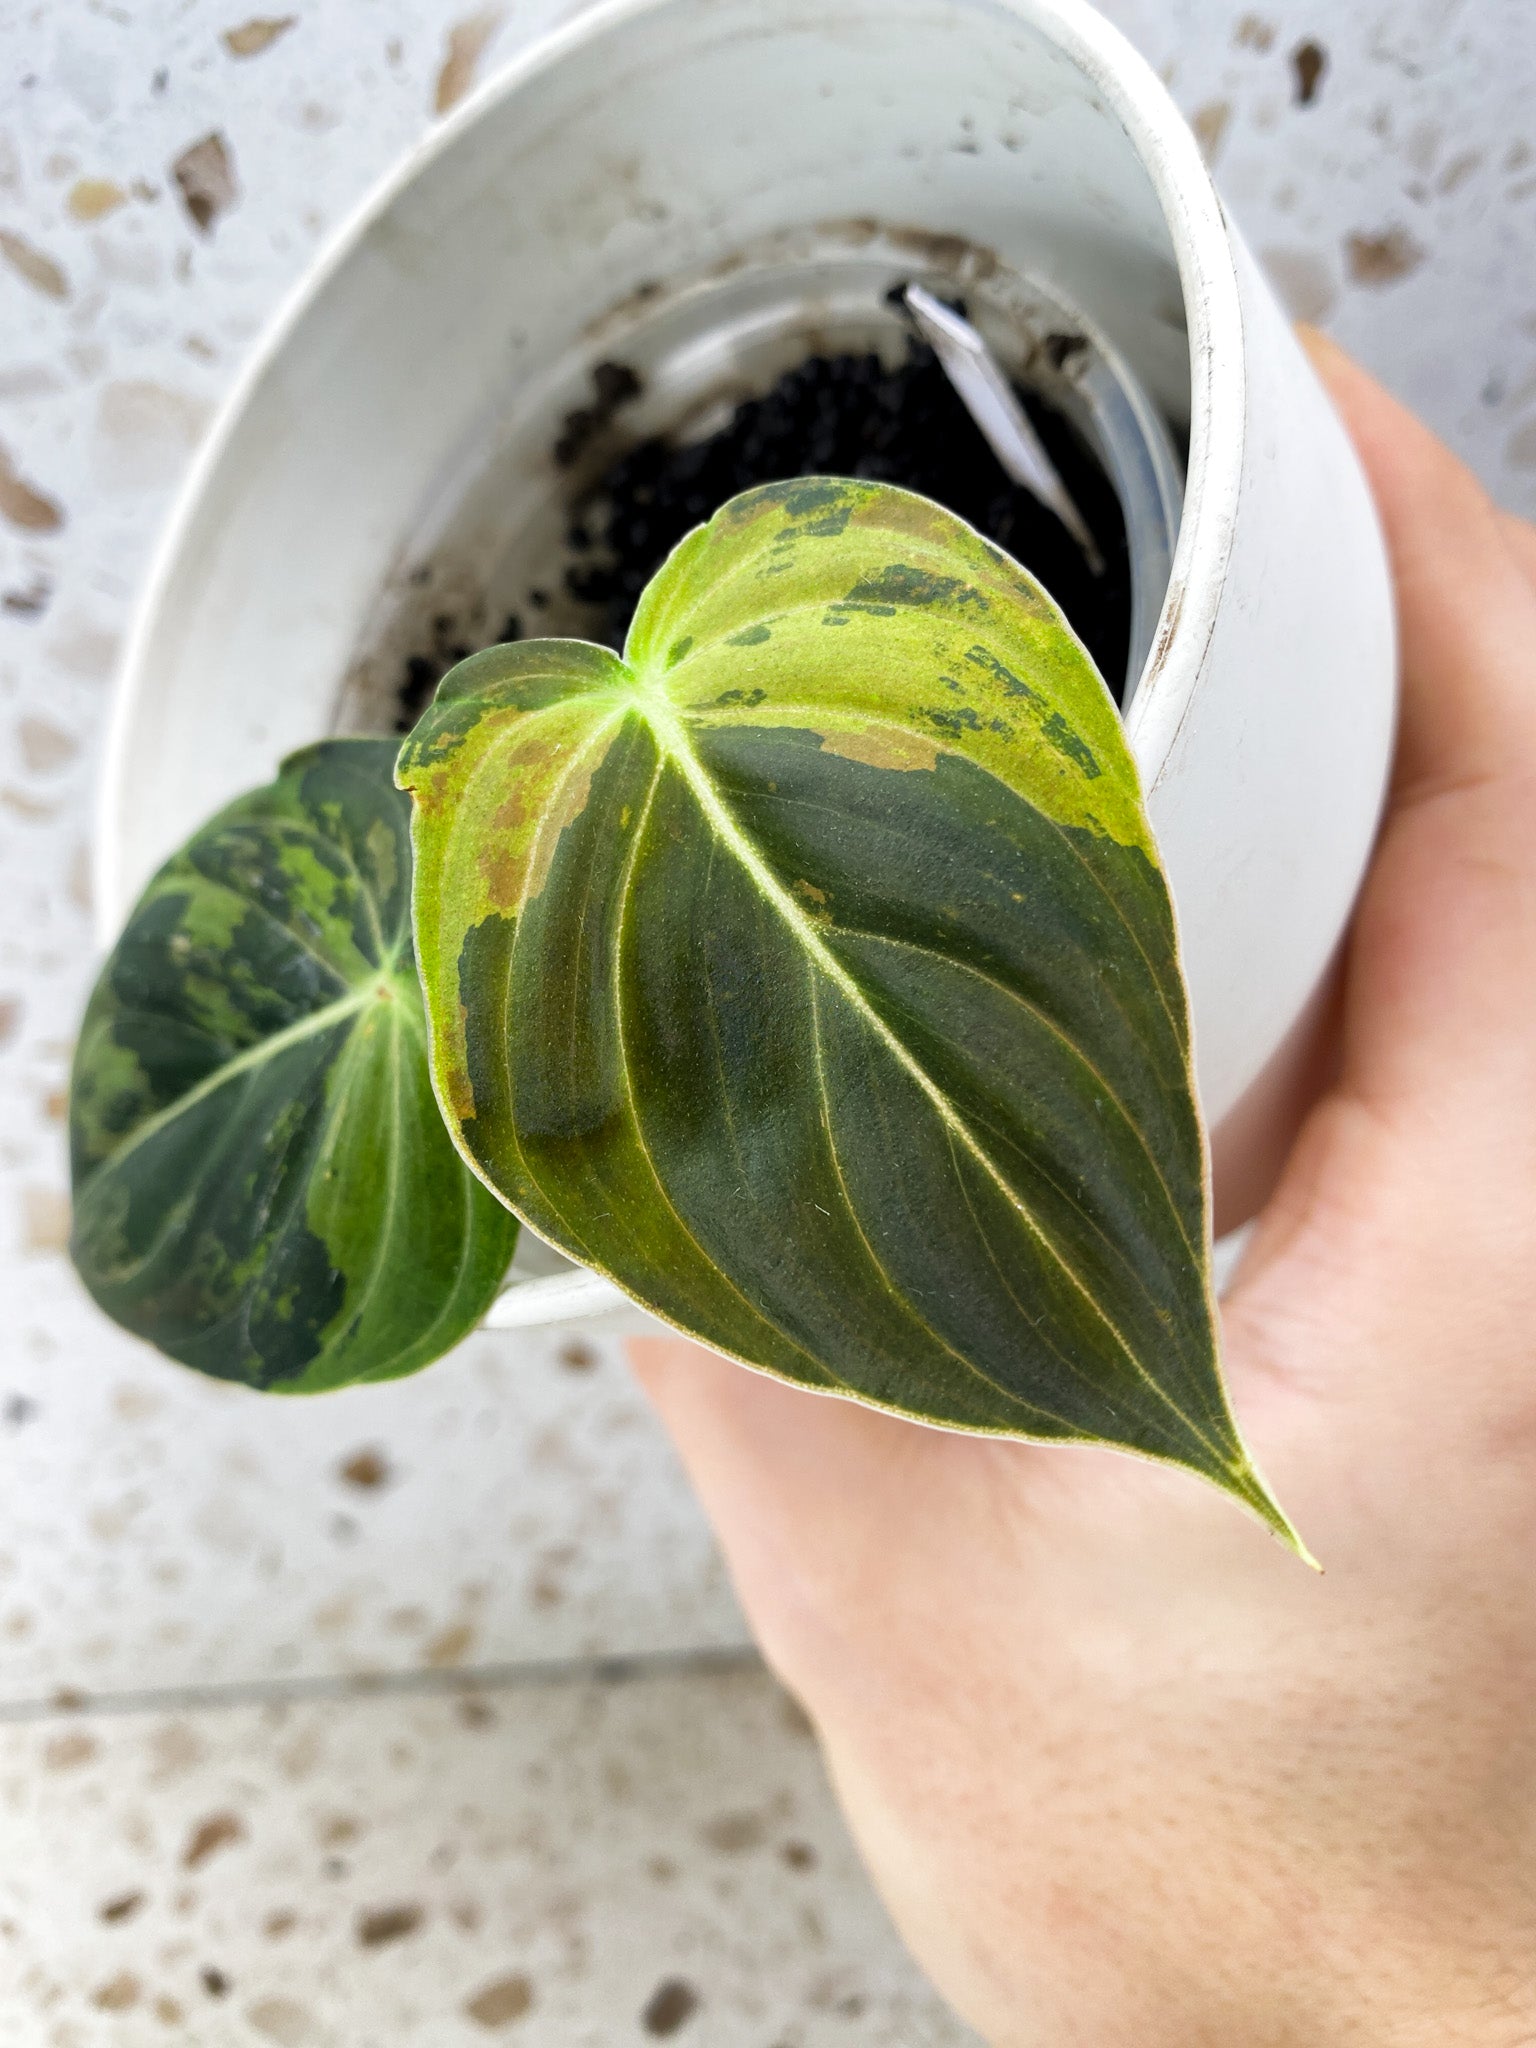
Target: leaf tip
x=1249, y=1487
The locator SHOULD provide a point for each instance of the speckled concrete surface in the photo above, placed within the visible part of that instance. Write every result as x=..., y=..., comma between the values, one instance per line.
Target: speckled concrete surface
x=578, y=1866
x=166, y=170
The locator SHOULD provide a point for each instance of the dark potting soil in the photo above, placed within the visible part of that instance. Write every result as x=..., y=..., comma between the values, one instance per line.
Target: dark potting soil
x=851, y=415
x=839, y=415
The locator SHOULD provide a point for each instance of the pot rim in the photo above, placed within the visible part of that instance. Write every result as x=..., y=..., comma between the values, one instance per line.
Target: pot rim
x=1197, y=229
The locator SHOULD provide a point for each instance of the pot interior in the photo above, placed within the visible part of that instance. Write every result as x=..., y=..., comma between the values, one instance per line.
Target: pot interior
x=488, y=554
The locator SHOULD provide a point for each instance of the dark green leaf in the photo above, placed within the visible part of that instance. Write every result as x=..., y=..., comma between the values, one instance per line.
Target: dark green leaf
x=263, y=1184
x=811, y=972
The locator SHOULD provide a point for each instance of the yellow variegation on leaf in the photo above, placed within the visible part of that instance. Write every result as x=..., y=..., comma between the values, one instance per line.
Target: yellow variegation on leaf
x=263, y=1186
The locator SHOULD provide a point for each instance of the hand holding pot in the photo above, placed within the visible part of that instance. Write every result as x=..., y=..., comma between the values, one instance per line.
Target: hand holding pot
x=1124, y=1771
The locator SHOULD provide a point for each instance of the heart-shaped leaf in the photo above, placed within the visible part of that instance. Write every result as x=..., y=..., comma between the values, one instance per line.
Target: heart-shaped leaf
x=810, y=971
x=263, y=1184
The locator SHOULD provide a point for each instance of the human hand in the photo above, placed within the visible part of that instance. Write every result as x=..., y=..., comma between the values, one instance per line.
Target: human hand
x=1127, y=1775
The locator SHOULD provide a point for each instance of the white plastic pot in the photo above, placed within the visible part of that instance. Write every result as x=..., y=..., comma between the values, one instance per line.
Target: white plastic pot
x=657, y=182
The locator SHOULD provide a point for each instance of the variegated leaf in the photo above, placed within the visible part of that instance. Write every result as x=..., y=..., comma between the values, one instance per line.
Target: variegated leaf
x=263, y=1185
x=811, y=972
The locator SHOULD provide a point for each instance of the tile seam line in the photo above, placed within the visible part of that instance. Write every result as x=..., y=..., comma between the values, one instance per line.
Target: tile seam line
x=608, y=1670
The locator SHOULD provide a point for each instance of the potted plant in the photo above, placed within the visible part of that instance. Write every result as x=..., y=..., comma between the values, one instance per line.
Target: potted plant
x=389, y=460
x=807, y=969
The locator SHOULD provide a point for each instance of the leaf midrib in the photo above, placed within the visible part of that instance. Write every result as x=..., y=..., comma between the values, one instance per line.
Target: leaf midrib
x=886, y=1278
x=254, y=1056
x=672, y=737
x=1048, y=1024
x=722, y=717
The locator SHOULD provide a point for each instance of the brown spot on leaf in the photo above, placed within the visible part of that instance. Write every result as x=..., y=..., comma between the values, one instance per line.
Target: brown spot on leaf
x=367, y=1470
x=461, y=1095
x=94, y=198
x=257, y=34
x=40, y=271
x=205, y=176
x=123, y=1907
x=10, y=1017
x=517, y=875
x=168, y=2011
x=1309, y=61
x=798, y=1855
x=218, y=1831
x=384, y=1924
x=215, y=1983
x=118, y=1993
x=671, y=2005
x=466, y=45
x=576, y=1356
x=882, y=746
x=1254, y=33
x=1382, y=259
x=23, y=505
x=500, y=2003
x=282, y=1922
x=1210, y=124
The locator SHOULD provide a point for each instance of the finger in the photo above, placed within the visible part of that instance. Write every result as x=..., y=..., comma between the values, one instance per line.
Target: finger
x=1466, y=607
x=1441, y=968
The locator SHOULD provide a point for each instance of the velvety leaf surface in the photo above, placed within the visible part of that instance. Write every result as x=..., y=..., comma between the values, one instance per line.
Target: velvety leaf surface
x=811, y=972
x=263, y=1185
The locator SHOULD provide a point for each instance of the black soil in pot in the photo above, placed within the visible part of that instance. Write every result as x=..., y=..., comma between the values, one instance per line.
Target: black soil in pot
x=839, y=415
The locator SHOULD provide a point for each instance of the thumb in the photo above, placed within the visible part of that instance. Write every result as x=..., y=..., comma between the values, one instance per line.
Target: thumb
x=1466, y=608
x=1442, y=970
